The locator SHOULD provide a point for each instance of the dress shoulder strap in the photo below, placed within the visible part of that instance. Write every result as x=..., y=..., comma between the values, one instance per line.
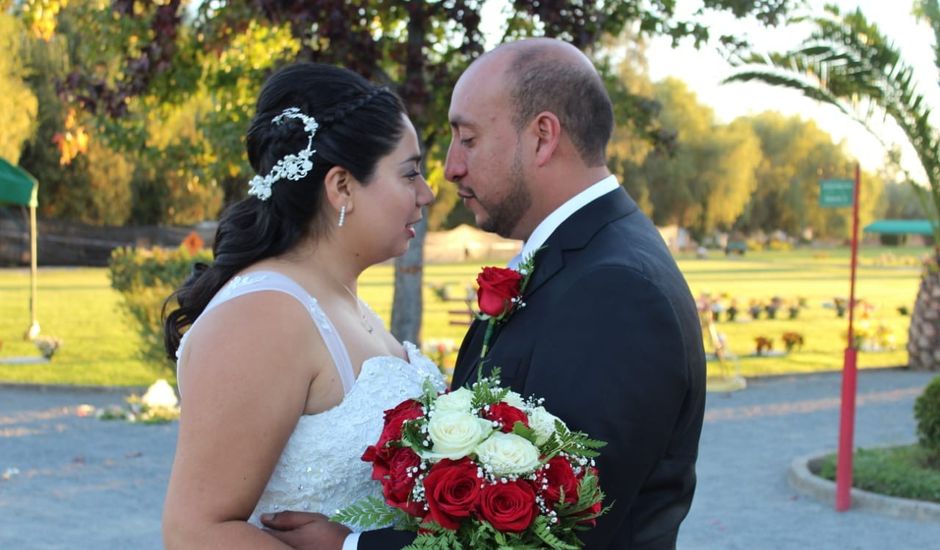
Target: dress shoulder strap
x=261, y=281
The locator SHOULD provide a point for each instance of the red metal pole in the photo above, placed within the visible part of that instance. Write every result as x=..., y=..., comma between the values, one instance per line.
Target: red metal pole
x=849, y=377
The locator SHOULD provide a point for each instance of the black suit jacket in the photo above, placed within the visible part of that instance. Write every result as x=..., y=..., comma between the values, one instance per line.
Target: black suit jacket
x=610, y=337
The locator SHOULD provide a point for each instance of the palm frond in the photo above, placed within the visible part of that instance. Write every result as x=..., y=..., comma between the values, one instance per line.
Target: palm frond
x=846, y=59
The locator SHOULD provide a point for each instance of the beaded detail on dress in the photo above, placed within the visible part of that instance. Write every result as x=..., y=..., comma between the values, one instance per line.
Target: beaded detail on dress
x=320, y=468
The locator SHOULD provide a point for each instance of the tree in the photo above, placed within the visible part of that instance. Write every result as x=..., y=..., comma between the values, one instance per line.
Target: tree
x=626, y=153
x=19, y=109
x=846, y=57
x=707, y=180
x=796, y=154
x=419, y=48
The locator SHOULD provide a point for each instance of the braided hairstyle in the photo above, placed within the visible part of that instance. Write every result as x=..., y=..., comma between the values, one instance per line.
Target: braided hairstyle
x=359, y=124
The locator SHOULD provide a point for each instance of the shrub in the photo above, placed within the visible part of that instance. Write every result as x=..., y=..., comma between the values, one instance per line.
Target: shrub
x=779, y=246
x=927, y=413
x=145, y=277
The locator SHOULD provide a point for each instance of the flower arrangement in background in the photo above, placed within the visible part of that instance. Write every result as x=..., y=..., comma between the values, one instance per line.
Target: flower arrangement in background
x=483, y=467
x=840, y=304
x=754, y=309
x=792, y=340
x=873, y=338
x=793, y=309
x=158, y=405
x=763, y=345
x=47, y=345
x=771, y=308
x=440, y=351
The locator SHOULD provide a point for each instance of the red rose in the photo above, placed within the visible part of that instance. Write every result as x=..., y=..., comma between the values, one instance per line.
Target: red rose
x=509, y=507
x=452, y=489
x=594, y=509
x=498, y=286
x=507, y=416
x=397, y=485
x=378, y=456
x=394, y=418
x=556, y=475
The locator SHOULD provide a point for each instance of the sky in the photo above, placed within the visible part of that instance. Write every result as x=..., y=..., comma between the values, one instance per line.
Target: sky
x=705, y=68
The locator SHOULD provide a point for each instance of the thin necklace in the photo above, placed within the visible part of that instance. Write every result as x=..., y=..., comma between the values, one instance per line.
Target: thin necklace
x=362, y=316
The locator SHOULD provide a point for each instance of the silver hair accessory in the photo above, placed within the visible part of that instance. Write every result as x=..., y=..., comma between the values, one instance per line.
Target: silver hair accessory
x=292, y=167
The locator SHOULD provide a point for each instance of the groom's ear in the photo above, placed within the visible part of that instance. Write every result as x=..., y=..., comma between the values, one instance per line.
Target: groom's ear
x=546, y=128
x=338, y=184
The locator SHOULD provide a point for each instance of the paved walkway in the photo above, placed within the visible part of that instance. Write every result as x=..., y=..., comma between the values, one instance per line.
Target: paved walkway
x=85, y=483
x=743, y=500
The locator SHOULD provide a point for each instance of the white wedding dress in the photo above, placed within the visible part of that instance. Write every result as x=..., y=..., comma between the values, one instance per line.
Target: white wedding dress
x=320, y=469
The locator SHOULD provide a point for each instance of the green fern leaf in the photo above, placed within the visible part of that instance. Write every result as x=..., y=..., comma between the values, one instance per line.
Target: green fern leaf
x=369, y=512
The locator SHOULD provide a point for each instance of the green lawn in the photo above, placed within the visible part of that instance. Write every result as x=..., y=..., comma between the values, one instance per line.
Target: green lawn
x=78, y=307
x=98, y=347
x=886, y=279
x=908, y=472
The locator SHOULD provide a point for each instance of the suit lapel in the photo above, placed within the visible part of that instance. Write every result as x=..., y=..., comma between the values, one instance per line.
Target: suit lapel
x=469, y=355
x=574, y=233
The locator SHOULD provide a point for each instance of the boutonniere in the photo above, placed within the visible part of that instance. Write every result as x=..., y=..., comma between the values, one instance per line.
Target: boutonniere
x=500, y=294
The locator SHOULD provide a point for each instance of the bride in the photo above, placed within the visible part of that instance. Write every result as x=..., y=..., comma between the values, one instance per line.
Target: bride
x=284, y=372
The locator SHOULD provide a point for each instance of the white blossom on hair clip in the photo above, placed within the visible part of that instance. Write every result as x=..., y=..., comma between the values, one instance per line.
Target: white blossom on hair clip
x=292, y=167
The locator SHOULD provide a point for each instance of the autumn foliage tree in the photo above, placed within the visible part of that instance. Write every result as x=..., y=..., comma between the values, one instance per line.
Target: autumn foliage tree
x=149, y=61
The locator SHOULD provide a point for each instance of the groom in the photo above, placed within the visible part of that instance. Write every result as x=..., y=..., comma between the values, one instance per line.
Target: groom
x=610, y=335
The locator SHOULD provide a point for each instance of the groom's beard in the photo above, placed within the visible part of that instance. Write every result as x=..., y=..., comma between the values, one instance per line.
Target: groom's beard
x=503, y=216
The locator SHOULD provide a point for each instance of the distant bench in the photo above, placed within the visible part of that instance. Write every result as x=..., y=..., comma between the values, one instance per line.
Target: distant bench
x=456, y=317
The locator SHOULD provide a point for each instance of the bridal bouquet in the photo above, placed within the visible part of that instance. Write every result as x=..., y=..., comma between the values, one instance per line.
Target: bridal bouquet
x=481, y=468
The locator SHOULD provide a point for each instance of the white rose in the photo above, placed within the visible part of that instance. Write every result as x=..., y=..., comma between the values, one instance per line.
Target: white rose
x=454, y=434
x=458, y=400
x=508, y=454
x=514, y=399
x=543, y=422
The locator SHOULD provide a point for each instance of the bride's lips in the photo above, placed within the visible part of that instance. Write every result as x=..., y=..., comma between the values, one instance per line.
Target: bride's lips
x=411, y=229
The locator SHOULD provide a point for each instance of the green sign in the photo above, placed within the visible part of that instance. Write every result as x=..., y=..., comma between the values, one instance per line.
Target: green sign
x=836, y=193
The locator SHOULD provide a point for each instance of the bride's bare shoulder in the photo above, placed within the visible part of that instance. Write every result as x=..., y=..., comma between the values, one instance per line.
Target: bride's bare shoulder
x=256, y=330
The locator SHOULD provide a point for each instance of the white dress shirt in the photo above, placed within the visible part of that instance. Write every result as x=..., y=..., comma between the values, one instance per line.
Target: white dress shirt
x=351, y=542
x=551, y=222
x=538, y=237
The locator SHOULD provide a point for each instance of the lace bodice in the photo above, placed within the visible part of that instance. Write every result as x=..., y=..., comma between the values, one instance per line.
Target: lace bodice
x=320, y=469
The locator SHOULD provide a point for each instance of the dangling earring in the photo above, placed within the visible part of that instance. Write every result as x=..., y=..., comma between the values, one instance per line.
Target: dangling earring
x=342, y=215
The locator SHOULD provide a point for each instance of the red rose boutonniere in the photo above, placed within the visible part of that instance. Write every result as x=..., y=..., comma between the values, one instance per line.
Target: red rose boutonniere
x=500, y=294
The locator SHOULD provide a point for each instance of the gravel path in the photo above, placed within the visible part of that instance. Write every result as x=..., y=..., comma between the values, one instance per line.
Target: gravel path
x=743, y=501
x=86, y=483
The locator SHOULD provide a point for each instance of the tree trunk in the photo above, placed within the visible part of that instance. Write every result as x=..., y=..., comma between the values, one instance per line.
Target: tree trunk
x=923, y=345
x=407, y=305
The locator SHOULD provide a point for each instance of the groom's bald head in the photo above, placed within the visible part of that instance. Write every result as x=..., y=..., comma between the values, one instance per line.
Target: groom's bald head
x=544, y=74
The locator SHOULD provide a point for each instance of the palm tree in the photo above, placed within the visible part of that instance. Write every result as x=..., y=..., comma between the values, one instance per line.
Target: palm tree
x=848, y=63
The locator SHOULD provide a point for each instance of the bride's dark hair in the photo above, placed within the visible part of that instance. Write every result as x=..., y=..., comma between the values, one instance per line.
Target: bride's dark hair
x=359, y=124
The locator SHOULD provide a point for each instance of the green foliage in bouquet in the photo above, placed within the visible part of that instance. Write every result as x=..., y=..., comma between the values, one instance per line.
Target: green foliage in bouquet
x=145, y=277
x=372, y=512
